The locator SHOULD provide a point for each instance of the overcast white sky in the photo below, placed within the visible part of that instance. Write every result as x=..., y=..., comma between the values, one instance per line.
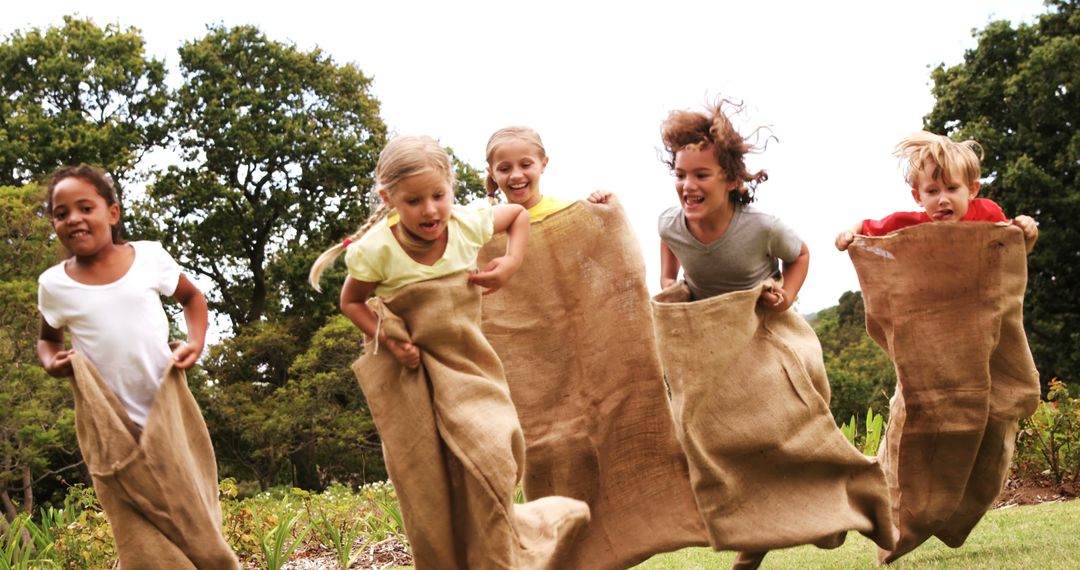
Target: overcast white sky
x=840, y=82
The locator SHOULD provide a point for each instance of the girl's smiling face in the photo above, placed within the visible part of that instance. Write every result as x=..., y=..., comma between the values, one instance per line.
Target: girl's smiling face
x=423, y=203
x=516, y=167
x=701, y=184
x=81, y=217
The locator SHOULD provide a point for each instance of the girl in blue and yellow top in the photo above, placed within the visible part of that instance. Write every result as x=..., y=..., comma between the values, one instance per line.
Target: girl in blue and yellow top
x=432, y=237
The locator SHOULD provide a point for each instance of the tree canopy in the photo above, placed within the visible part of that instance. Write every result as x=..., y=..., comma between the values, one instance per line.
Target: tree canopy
x=78, y=93
x=278, y=144
x=1018, y=93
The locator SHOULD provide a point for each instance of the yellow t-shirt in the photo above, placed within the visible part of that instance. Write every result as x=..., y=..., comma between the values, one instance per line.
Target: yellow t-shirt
x=546, y=207
x=377, y=257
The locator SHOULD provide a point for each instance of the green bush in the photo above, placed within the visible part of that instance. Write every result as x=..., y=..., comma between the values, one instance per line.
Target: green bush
x=1049, y=441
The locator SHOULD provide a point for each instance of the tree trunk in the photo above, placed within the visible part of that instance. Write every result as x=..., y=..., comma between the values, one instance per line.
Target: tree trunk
x=305, y=474
x=28, y=490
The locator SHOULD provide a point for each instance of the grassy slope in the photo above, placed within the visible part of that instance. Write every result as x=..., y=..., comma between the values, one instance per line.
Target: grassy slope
x=1042, y=536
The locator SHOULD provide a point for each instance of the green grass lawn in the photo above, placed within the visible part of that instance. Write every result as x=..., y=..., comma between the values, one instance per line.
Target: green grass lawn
x=1039, y=536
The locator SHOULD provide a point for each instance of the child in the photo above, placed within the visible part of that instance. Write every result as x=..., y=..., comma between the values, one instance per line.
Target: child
x=720, y=242
x=473, y=448
x=953, y=418
x=515, y=160
x=757, y=488
x=944, y=179
x=585, y=275
x=415, y=182
x=108, y=286
x=108, y=296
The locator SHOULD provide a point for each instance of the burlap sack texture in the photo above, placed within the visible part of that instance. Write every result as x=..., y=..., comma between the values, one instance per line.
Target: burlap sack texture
x=158, y=487
x=945, y=301
x=574, y=331
x=769, y=467
x=451, y=438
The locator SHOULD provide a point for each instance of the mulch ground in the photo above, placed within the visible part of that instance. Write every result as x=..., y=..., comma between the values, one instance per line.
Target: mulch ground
x=1033, y=492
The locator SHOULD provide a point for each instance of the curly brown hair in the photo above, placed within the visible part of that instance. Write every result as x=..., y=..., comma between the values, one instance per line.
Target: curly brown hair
x=713, y=128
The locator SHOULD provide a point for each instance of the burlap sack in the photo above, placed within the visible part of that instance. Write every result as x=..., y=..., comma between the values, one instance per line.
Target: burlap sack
x=769, y=467
x=574, y=332
x=452, y=441
x=945, y=301
x=159, y=488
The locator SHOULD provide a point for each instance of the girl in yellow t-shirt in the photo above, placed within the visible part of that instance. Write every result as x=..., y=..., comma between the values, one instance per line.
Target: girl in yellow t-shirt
x=432, y=237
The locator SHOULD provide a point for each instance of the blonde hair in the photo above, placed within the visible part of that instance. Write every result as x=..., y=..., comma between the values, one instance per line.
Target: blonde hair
x=713, y=128
x=403, y=157
x=506, y=135
x=954, y=160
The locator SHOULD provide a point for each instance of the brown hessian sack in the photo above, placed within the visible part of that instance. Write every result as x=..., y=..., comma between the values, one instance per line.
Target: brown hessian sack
x=574, y=331
x=451, y=438
x=945, y=301
x=769, y=467
x=158, y=486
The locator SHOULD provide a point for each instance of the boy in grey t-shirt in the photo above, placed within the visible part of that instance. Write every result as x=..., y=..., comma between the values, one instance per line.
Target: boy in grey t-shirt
x=719, y=241
x=722, y=244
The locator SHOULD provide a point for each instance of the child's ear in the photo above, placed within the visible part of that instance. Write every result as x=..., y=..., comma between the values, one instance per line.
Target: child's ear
x=114, y=214
x=385, y=198
x=915, y=194
x=543, y=164
x=974, y=188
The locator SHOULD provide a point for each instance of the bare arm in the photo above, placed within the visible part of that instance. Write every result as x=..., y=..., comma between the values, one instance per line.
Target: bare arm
x=353, y=301
x=781, y=299
x=669, y=266
x=196, y=317
x=514, y=220
x=50, y=349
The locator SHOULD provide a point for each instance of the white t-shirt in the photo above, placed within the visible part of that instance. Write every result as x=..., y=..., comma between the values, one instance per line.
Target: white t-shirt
x=121, y=326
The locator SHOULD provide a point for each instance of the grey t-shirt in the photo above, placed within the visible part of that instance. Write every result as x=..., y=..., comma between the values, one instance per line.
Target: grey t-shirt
x=742, y=258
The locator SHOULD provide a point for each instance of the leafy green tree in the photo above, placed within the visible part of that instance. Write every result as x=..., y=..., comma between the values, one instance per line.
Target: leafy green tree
x=37, y=423
x=78, y=93
x=860, y=373
x=279, y=144
x=1018, y=93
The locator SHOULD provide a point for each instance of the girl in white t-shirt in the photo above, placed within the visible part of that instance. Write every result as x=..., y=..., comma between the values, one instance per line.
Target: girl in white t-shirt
x=108, y=295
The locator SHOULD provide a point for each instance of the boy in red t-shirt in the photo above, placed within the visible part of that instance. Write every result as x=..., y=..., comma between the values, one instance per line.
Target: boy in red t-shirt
x=944, y=179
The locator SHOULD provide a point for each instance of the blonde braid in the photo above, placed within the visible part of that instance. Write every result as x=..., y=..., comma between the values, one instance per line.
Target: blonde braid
x=327, y=258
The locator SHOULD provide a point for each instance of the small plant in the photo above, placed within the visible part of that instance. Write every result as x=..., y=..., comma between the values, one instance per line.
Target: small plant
x=340, y=533
x=277, y=543
x=1049, y=441
x=16, y=550
x=871, y=438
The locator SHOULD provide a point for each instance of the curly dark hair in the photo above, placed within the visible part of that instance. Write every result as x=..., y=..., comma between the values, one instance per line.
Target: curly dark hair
x=713, y=128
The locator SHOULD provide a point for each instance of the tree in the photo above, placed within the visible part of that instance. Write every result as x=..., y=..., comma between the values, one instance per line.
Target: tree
x=75, y=94
x=860, y=373
x=37, y=425
x=1018, y=93
x=279, y=145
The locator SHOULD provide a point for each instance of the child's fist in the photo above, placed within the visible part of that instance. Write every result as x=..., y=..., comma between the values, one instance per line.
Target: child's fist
x=1029, y=227
x=844, y=240
x=60, y=364
x=600, y=197
x=405, y=352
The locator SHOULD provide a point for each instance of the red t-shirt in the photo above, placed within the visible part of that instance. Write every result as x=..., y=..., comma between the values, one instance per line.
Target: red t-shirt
x=979, y=210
